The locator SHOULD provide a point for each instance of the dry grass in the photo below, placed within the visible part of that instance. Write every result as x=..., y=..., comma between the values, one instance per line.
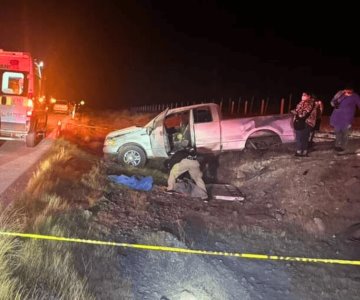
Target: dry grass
x=93, y=126
x=51, y=205
x=67, y=174
x=96, y=182
x=46, y=268
x=33, y=269
x=95, y=179
x=117, y=119
x=40, y=208
x=44, y=178
x=9, y=286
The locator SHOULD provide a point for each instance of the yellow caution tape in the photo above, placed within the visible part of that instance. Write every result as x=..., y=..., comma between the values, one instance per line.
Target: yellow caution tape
x=183, y=250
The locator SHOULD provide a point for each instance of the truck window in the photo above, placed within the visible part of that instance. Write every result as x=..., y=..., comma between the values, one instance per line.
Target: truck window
x=202, y=115
x=172, y=121
x=12, y=83
x=178, y=129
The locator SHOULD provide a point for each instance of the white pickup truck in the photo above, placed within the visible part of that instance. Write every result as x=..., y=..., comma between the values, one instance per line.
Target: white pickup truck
x=198, y=126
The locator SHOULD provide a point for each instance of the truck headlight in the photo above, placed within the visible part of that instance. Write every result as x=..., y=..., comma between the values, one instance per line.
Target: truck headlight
x=110, y=142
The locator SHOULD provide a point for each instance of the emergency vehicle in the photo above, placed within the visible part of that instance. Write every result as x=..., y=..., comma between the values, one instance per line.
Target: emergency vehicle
x=23, y=109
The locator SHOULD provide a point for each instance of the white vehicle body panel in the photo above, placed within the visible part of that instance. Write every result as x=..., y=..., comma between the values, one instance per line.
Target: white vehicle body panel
x=208, y=136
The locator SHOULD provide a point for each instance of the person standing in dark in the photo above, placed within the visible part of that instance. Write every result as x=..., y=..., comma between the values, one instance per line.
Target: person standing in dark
x=344, y=103
x=319, y=108
x=304, y=121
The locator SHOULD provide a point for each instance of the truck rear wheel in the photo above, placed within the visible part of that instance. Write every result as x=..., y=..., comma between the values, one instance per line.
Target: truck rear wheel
x=31, y=139
x=132, y=155
x=263, y=142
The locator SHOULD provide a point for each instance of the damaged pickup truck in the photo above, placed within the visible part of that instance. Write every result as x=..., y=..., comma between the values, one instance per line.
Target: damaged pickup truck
x=197, y=126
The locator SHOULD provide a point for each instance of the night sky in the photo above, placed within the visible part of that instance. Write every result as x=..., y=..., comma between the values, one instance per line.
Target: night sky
x=139, y=52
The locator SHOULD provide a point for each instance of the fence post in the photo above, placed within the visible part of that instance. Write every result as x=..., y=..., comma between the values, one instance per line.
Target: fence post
x=221, y=105
x=267, y=105
x=282, y=106
x=245, y=107
x=252, y=104
x=238, y=107
x=232, y=107
x=290, y=98
x=262, y=106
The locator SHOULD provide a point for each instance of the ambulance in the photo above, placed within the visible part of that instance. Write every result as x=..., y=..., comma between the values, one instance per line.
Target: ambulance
x=23, y=107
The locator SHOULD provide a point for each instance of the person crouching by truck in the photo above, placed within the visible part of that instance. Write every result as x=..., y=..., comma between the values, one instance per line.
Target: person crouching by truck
x=304, y=121
x=183, y=161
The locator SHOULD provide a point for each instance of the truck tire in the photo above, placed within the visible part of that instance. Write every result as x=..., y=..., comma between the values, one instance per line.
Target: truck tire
x=31, y=139
x=132, y=155
x=263, y=142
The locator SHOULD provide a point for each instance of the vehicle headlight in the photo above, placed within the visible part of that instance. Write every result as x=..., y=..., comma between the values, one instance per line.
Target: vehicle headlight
x=110, y=142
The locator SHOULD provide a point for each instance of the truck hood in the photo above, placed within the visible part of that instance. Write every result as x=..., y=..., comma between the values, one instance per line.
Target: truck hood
x=128, y=130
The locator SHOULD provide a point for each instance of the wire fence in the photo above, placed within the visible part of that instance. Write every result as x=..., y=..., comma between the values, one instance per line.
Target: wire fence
x=236, y=107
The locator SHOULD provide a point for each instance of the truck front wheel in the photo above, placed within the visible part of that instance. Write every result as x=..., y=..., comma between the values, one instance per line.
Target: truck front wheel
x=132, y=155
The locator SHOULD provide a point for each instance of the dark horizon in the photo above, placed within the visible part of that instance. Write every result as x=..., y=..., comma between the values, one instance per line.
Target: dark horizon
x=114, y=55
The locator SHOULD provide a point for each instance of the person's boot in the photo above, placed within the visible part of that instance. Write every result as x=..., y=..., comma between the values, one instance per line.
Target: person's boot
x=298, y=153
x=304, y=153
x=338, y=149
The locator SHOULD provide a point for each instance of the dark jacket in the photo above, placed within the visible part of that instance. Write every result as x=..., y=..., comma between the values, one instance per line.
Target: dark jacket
x=179, y=156
x=344, y=111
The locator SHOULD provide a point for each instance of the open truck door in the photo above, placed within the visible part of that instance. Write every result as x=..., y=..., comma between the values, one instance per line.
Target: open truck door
x=158, y=137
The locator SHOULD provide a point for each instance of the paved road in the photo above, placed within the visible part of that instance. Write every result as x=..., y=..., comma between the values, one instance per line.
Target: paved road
x=16, y=158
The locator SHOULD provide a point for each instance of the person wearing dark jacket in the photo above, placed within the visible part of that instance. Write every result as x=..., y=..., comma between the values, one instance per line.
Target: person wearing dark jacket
x=344, y=103
x=319, y=109
x=304, y=121
x=185, y=161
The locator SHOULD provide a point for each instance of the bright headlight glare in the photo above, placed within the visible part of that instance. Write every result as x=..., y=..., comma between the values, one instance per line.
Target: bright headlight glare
x=109, y=142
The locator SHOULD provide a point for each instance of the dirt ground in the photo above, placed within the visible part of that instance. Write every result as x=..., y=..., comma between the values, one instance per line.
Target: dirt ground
x=304, y=207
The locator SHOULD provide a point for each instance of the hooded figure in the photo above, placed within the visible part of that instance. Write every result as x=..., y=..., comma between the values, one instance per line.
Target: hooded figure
x=344, y=103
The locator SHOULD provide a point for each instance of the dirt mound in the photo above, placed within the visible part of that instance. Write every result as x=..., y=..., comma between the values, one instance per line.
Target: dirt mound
x=319, y=193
